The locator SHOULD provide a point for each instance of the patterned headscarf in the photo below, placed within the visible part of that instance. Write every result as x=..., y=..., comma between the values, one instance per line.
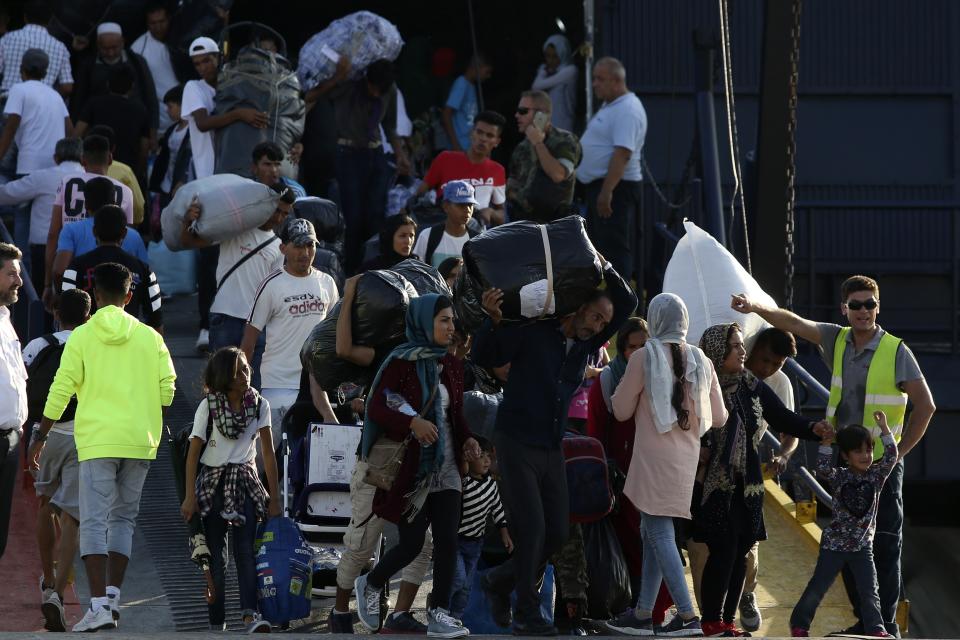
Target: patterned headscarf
x=715, y=342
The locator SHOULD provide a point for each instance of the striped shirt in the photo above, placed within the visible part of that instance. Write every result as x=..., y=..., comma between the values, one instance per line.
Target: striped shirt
x=480, y=497
x=33, y=36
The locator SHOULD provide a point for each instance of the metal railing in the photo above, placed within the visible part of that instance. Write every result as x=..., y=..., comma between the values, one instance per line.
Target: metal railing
x=28, y=312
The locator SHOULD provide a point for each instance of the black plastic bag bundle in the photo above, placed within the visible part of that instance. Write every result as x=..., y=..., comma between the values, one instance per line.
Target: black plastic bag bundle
x=379, y=320
x=327, y=221
x=424, y=277
x=328, y=262
x=608, y=593
x=512, y=258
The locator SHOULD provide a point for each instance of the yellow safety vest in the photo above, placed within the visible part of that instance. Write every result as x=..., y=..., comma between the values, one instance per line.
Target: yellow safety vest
x=882, y=391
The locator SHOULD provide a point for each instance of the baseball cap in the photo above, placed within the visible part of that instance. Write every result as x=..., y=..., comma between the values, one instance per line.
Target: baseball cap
x=203, y=45
x=298, y=231
x=35, y=61
x=459, y=192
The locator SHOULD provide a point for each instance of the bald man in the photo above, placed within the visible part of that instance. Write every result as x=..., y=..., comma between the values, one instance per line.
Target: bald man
x=610, y=170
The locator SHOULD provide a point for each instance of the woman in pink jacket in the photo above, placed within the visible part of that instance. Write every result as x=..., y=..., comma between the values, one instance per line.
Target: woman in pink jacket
x=671, y=390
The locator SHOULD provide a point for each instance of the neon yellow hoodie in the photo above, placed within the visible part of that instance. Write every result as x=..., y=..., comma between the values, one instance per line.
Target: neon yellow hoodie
x=122, y=374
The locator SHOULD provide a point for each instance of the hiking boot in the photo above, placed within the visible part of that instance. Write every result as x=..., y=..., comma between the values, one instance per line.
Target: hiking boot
x=368, y=604
x=340, y=622
x=535, y=627
x=95, y=620
x=443, y=625
x=629, y=624
x=403, y=622
x=680, y=628
x=53, y=616
x=500, y=609
x=750, y=616
x=799, y=632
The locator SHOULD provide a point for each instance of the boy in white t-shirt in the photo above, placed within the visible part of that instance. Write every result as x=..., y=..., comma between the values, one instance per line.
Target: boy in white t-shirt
x=439, y=242
x=288, y=304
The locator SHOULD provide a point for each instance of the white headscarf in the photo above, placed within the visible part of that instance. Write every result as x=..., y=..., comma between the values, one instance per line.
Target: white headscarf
x=668, y=321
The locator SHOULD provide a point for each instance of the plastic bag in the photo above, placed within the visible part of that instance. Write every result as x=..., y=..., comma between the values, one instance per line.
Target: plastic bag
x=363, y=36
x=327, y=222
x=512, y=258
x=230, y=205
x=704, y=274
x=608, y=592
x=480, y=410
x=176, y=270
x=328, y=262
x=424, y=277
x=284, y=571
x=264, y=81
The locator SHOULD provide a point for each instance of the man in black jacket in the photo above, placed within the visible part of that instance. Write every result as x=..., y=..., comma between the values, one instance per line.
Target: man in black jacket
x=547, y=363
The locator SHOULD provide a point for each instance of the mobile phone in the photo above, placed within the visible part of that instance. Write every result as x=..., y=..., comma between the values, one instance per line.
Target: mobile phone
x=540, y=120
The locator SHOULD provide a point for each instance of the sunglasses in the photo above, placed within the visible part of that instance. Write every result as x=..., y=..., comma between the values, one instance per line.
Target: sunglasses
x=855, y=305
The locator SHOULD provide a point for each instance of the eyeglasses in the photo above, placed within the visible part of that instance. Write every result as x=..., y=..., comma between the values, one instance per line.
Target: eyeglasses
x=855, y=305
x=522, y=111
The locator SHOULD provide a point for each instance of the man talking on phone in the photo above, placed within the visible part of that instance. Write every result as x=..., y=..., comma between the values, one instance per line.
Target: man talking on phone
x=543, y=165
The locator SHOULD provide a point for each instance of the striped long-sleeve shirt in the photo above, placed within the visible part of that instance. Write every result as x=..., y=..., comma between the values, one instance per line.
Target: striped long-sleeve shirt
x=480, y=497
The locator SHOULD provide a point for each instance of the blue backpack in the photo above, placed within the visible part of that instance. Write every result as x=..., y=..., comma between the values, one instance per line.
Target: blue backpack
x=284, y=571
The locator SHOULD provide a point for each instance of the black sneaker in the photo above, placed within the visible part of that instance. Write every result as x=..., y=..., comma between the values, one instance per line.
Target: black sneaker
x=627, y=623
x=856, y=629
x=340, y=622
x=677, y=627
x=500, y=609
x=535, y=627
x=403, y=622
x=750, y=616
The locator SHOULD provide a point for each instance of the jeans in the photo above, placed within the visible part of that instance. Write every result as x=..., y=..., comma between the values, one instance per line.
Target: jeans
x=9, y=465
x=468, y=554
x=829, y=564
x=363, y=177
x=110, y=490
x=207, y=259
x=534, y=491
x=441, y=512
x=615, y=237
x=227, y=331
x=216, y=529
x=887, y=545
x=661, y=562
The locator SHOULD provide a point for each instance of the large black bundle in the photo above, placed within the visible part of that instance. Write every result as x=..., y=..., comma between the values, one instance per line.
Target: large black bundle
x=327, y=220
x=424, y=277
x=512, y=258
x=379, y=321
x=608, y=576
x=264, y=81
x=328, y=262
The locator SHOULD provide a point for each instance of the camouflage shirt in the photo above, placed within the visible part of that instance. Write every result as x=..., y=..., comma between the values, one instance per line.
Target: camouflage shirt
x=531, y=194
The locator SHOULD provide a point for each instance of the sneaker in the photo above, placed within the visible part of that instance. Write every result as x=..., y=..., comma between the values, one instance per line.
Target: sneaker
x=731, y=631
x=259, y=625
x=95, y=620
x=629, y=624
x=713, y=629
x=203, y=340
x=679, y=628
x=799, y=632
x=113, y=602
x=54, y=619
x=856, y=629
x=750, y=616
x=500, y=609
x=368, y=604
x=879, y=633
x=403, y=622
x=443, y=625
x=340, y=622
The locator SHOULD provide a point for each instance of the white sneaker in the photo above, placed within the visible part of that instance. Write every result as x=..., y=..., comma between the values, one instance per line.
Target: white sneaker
x=113, y=603
x=53, y=616
x=203, y=340
x=95, y=620
x=442, y=625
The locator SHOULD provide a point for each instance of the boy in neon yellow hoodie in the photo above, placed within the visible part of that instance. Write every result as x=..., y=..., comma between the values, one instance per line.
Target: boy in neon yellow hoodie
x=122, y=375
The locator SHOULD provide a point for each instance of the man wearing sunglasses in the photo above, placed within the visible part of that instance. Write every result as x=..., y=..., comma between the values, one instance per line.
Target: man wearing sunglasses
x=870, y=370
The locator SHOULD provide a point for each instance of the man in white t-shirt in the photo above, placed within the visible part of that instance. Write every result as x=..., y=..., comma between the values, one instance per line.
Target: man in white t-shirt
x=57, y=480
x=439, y=242
x=152, y=48
x=245, y=260
x=288, y=304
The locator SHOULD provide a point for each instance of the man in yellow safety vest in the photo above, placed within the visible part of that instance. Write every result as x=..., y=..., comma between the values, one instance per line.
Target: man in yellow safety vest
x=870, y=370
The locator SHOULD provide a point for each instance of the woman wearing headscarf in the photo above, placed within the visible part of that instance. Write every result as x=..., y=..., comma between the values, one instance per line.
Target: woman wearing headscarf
x=558, y=77
x=728, y=516
x=418, y=391
x=397, y=236
x=672, y=392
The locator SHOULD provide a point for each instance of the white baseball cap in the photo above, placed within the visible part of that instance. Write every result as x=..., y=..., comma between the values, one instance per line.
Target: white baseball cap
x=203, y=45
x=105, y=28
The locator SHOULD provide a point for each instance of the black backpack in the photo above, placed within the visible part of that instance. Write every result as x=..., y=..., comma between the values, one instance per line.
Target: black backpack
x=41, y=373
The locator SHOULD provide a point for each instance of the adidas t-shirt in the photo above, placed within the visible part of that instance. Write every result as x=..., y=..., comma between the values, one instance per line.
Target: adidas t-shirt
x=222, y=450
x=449, y=247
x=288, y=307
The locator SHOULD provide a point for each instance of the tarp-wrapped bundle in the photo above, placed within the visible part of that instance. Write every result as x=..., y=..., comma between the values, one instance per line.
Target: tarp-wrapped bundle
x=363, y=36
x=379, y=320
x=327, y=221
x=424, y=277
x=543, y=270
x=264, y=81
x=229, y=205
x=704, y=274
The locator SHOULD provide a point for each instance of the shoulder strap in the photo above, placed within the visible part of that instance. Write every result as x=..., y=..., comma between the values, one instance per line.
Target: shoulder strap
x=239, y=262
x=433, y=242
x=50, y=339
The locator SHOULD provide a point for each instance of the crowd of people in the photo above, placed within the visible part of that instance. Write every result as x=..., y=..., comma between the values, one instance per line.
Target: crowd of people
x=681, y=423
